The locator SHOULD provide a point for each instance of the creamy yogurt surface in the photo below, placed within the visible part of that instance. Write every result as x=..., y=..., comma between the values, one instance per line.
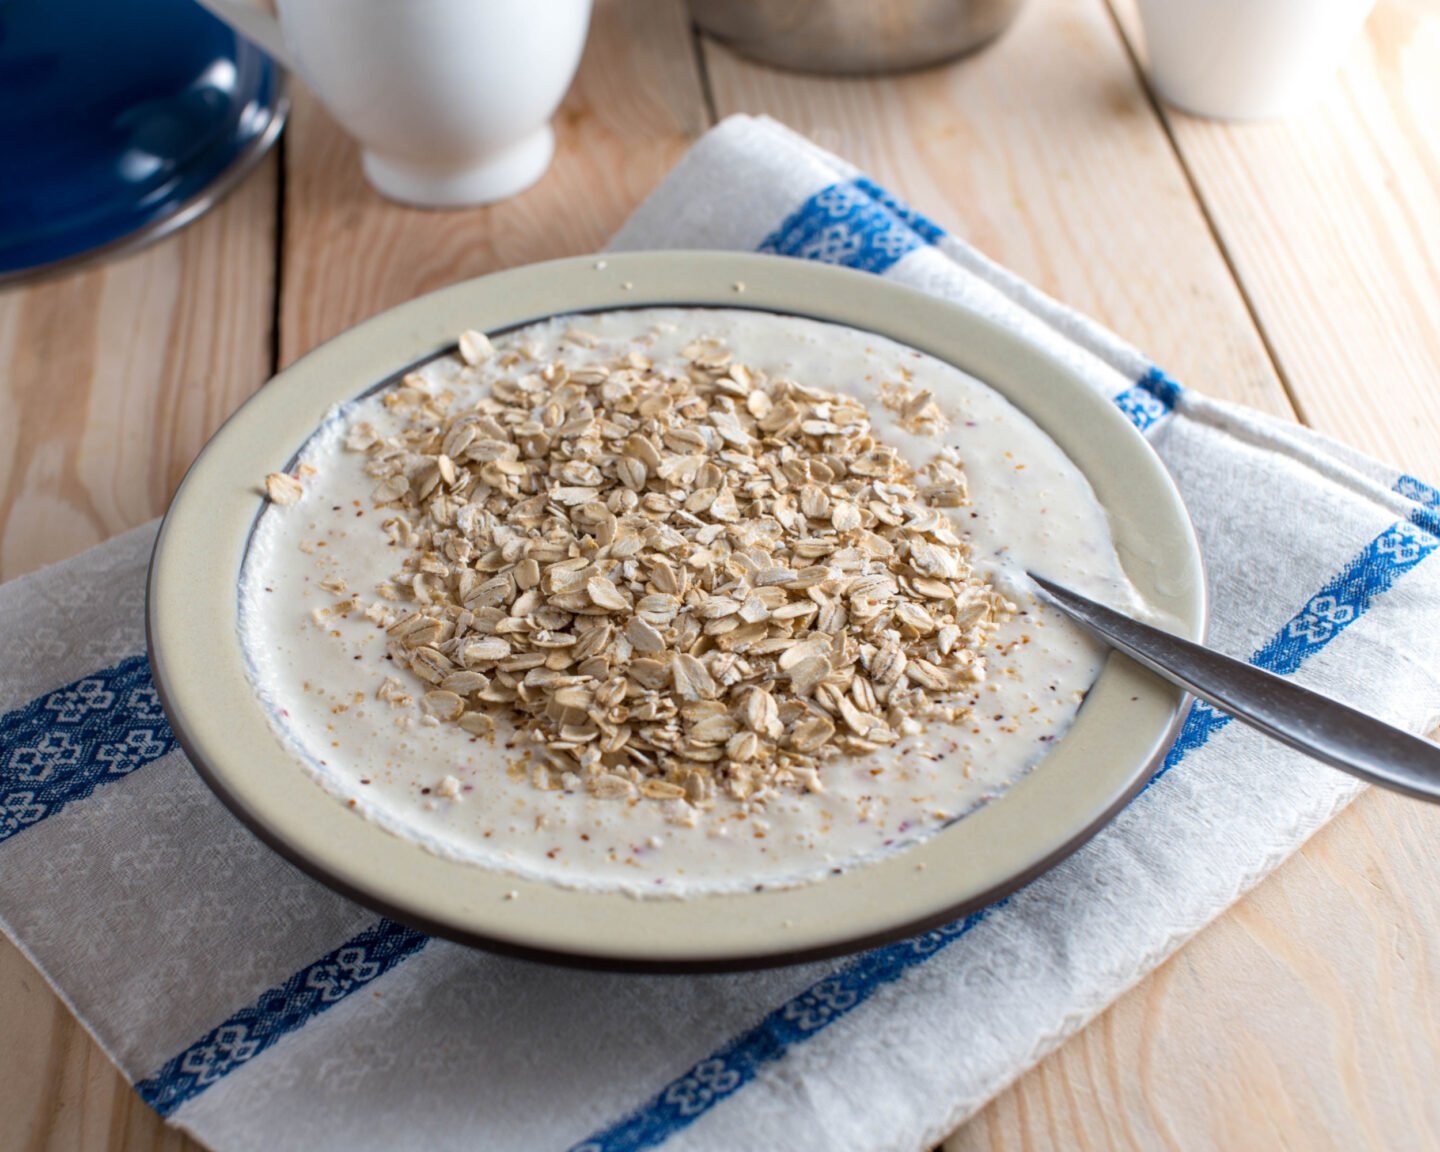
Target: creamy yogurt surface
x=466, y=797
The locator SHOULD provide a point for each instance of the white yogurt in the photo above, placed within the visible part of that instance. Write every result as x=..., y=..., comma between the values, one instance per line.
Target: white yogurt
x=1031, y=507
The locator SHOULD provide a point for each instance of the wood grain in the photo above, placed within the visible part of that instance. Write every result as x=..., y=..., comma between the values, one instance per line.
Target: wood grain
x=115, y=376
x=634, y=108
x=1308, y=1015
x=1332, y=222
x=59, y=1092
x=1044, y=152
x=112, y=378
x=152, y=353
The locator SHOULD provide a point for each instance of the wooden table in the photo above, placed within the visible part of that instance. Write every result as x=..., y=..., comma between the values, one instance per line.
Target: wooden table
x=1292, y=266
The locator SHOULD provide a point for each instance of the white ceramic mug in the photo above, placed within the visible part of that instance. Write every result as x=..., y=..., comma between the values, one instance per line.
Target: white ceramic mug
x=450, y=99
x=1247, y=59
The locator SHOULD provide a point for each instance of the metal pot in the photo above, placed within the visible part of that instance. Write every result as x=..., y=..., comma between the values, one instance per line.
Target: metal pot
x=850, y=36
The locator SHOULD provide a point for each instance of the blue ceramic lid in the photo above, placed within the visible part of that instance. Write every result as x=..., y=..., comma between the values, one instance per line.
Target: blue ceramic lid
x=120, y=121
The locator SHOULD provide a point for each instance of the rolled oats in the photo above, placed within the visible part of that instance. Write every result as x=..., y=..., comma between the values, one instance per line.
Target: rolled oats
x=282, y=488
x=671, y=584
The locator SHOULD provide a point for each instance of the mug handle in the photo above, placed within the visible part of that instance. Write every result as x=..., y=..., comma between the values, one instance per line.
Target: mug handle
x=253, y=24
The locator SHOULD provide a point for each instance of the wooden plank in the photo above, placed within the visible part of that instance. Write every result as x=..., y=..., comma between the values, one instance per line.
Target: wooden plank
x=1332, y=222
x=1308, y=1015
x=58, y=1091
x=112, y=378
x=634, y=108
x=181, y=334
x=1044, y=152
x=115, y=377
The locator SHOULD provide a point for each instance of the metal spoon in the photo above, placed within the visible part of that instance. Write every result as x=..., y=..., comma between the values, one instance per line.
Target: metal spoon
x=1314, y=724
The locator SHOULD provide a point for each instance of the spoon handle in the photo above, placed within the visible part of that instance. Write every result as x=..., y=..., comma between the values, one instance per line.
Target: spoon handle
x=1314, y=724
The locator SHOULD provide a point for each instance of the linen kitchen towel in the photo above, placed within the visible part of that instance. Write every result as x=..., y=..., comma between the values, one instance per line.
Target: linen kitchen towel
x=256, y=1009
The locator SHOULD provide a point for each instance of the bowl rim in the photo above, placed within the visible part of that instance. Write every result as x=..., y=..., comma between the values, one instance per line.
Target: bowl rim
x=1123, y=731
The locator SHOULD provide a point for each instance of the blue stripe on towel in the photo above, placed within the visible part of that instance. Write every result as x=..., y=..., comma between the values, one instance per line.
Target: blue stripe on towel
x=720, y=1075
x=921, y=225
x=1428, y=515
x=1419, y=491
x=61, y=747
x=856, y=224
x=1344, y=599
x=1152, y=398
x=360, y=961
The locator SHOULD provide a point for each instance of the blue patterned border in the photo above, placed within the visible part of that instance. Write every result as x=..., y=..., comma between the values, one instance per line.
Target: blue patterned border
x=688, y=1097
x=856, y=224
x=1428, y=514
x=921, y=225
x=1152, y=398
x=279, y=1011
x=1344, y=599
x=1346, y=596
x=1418, y=491
x=61, y=747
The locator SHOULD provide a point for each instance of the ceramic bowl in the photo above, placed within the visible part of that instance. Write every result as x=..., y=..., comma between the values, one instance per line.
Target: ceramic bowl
x=1126, y=723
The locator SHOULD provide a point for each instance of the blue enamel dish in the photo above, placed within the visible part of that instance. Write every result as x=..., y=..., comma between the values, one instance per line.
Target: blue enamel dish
x=120, y=123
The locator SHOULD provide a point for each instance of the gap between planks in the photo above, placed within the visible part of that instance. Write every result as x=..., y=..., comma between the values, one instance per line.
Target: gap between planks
x=1142, y=78
x=1045, y=153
